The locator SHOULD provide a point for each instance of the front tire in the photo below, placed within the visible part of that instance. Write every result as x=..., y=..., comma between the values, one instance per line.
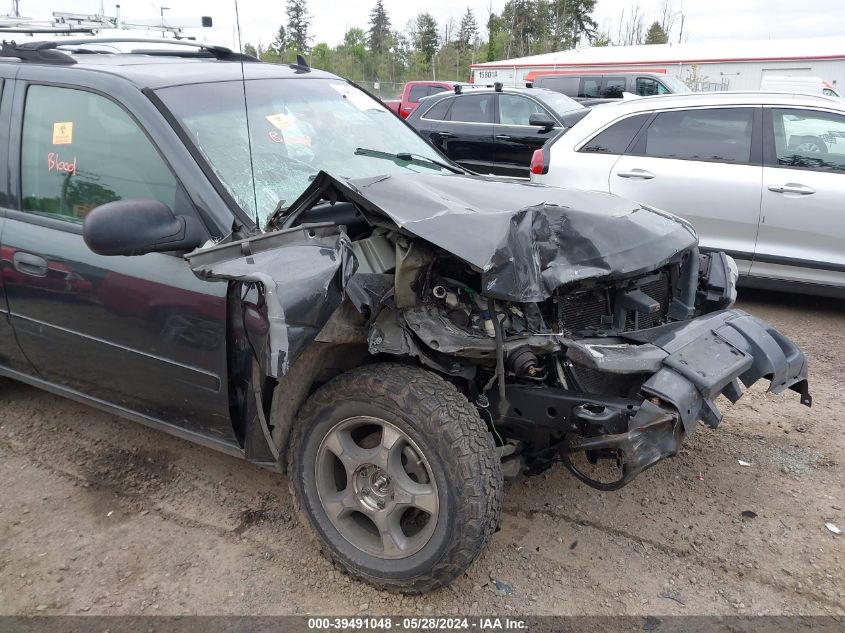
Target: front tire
x=396, y=475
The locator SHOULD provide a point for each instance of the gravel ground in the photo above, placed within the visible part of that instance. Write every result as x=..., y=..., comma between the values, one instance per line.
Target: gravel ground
x=103, y=516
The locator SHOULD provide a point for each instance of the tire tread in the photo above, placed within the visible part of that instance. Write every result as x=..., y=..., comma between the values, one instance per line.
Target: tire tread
x=455, y=426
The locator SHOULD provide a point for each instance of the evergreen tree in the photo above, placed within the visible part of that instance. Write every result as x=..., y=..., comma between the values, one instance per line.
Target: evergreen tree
x=467, y=31
x=279, y=44
x=425, y=36
x=379, y=34
x=570, y=21
x=496, y=35
x=519, y=19
x=656, y=34
x=298, y=22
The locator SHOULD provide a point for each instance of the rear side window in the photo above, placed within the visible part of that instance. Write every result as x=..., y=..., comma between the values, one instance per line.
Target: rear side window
x=613, y=88
x=439, y=111
x=80, y=150
x=517, y=110
x=807, y=139
x=417, y=93
x=566, y=85
x=646, y=87
x=616, y=138
x=472, y=109
x=590, y=88
x=714, y=135
x=435, y=90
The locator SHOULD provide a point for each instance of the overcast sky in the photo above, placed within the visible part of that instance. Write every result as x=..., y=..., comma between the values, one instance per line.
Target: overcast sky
x=705, y=19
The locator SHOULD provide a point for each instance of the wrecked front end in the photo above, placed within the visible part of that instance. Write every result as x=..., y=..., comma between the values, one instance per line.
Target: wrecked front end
x=586, y=329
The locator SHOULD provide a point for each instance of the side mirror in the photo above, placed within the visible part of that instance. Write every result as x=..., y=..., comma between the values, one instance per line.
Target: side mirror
x=542, y=120
x=137, y=227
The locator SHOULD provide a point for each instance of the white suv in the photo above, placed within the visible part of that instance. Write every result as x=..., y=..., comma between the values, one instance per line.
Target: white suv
x=760, y=176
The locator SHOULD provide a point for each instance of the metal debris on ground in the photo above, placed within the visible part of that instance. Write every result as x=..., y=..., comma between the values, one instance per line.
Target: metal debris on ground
x=673, y=595
x=503, y=587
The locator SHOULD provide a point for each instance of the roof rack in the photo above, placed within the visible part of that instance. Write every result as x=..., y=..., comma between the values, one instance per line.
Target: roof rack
x=78, y=44
x=42, y=52
x=63, y=23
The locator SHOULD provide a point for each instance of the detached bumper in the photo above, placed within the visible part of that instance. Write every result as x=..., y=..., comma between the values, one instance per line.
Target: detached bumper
x=717, y=354
x=691, y=363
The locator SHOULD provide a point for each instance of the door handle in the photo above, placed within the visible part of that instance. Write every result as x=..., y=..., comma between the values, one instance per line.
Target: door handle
x=790, y=187
x=502, y=137
x=445, y=135
x=30, y=264
x=636, y=173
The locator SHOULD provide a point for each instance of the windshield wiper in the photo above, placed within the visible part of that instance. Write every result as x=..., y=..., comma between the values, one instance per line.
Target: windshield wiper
x=416, y=159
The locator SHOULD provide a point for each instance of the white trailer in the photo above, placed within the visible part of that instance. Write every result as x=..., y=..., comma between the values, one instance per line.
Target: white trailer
x=732, y=65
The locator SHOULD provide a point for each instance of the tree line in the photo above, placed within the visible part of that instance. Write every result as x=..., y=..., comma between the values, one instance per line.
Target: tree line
x=424, y=48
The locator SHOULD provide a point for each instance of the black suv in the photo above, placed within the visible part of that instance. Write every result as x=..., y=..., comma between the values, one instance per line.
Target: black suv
x=494, y=131
x=263, y=259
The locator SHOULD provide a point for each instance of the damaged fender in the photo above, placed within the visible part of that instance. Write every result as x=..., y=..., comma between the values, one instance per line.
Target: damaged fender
x=301, y=272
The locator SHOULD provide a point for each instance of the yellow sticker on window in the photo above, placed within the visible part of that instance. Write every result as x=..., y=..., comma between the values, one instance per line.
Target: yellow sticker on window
x=282, y=121
x=63, y=133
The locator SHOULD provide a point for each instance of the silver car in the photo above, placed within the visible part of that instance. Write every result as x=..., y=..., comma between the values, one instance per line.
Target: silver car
x=760, y=176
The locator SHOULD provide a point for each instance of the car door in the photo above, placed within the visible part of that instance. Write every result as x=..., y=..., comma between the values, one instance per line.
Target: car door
x=11, y=356
x=648, y=86
x=613, y=87
x=140, y=333
x=703, y=164
x=590, y=87
x=428, y=118
x=466, y=133
x=515, y=138
x=802, y=225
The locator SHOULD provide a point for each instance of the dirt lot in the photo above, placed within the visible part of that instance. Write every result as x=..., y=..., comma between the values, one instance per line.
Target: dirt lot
x=99, y=515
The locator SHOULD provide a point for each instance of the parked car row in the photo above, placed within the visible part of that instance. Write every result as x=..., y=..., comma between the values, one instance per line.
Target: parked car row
x=760, y=176
x=494, y=131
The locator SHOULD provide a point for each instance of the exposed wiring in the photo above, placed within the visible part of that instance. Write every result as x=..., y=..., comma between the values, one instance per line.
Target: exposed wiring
x=501, y=445
x=500, y=357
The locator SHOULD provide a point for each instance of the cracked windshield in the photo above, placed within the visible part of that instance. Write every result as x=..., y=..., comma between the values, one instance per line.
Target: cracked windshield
x=325, y=124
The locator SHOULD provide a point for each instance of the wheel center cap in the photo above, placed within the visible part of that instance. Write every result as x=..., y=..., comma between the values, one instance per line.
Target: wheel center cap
x=374, y=487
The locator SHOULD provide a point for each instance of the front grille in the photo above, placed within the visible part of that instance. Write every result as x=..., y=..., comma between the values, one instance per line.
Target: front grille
x=583, y=310
x=658, y=289
x=590, y=310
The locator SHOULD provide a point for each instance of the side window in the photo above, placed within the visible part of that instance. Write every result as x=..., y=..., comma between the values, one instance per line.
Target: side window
x=434, y=90
x=516, y=110
x=566, y=85
x=80, y=150
x=616, y=138
x=809, y=139
x=417, y=93
x=613, y=88
x=590, y=88
x=646, y=87
x=439, y=111
x=472, y=109
x=714, y=134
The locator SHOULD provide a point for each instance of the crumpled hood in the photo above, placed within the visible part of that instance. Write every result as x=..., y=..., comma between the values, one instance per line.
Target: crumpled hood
x=526, y=239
